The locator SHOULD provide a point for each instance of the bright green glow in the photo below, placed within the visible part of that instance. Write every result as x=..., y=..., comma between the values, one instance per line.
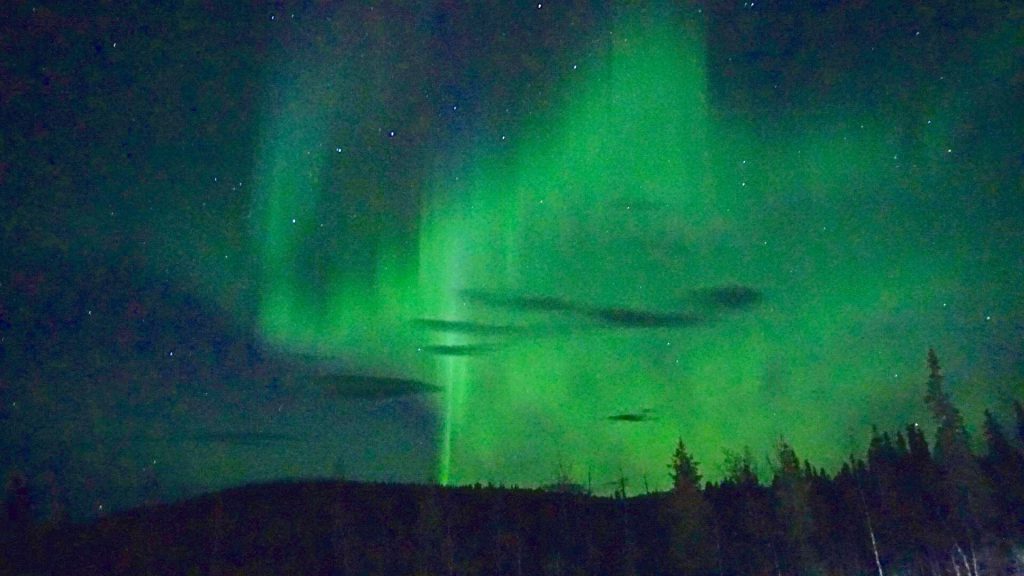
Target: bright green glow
x=630, y=196
x=554, y=220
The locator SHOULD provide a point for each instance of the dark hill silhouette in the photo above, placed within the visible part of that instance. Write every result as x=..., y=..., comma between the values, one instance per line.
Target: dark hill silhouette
x=891, y=511
x=329, y=527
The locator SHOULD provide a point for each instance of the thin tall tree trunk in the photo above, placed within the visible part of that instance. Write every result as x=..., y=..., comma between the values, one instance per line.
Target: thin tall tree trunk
x=963, y=558
x=874, y=545
x=871, y=529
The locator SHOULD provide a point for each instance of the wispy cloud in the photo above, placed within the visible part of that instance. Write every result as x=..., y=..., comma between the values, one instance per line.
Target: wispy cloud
x=459, y=349
x=632, y=318
x=467, y=327
x=620, y=317
x=645, y=415
x=731, y=296
x=520, y=303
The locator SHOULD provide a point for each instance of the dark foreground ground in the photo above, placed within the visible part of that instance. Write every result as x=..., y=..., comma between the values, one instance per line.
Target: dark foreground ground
x=330, y=528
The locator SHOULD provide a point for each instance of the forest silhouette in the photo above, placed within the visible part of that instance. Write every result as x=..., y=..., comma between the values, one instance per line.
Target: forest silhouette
x=909, y=506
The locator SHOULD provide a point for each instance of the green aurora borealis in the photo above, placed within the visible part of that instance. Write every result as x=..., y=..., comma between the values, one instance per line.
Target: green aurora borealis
x=558, y=238
x=628, y=196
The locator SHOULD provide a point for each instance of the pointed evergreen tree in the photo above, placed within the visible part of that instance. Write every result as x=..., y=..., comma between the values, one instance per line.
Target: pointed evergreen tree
x=923, y=498
x=743, y=511
x=740, y=469
x=854, y=514
x=917, y=444
x=883, y=494
x=999, y=448
x=792, y=492
x=683, y=470
x=950, y=435
x=965, y=488
x=1005, y=468
x=688, y=516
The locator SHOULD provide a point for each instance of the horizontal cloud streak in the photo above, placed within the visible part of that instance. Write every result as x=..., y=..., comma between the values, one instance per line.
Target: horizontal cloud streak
x=731, y=296
x=612, y=316
x=630, y=318
x=458, y=350
x=467, y=327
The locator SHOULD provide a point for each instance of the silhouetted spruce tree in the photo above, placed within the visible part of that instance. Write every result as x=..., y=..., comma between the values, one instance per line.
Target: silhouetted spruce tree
x=792, y=492
x=691, y=538
x=998, y=446
x=926, y=514
x=743, y=514
x=885, y=488
x=822, y=501
x=683, y=470
x=856, y=521
x=902, y=480
x=1004, y=465
x=950, y=435
x=883, y=481
x=965, y=487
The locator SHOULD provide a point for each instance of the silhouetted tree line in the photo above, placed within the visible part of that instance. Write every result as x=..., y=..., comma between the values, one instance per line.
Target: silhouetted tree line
x=907, y=507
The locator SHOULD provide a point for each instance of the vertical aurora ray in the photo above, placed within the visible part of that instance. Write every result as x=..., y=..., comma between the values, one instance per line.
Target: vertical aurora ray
x=450, y=244
x=290, y=170
x=547, y=220
x=337, y=282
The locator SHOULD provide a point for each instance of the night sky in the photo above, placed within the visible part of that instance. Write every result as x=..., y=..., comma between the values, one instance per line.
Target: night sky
x=496, y=241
